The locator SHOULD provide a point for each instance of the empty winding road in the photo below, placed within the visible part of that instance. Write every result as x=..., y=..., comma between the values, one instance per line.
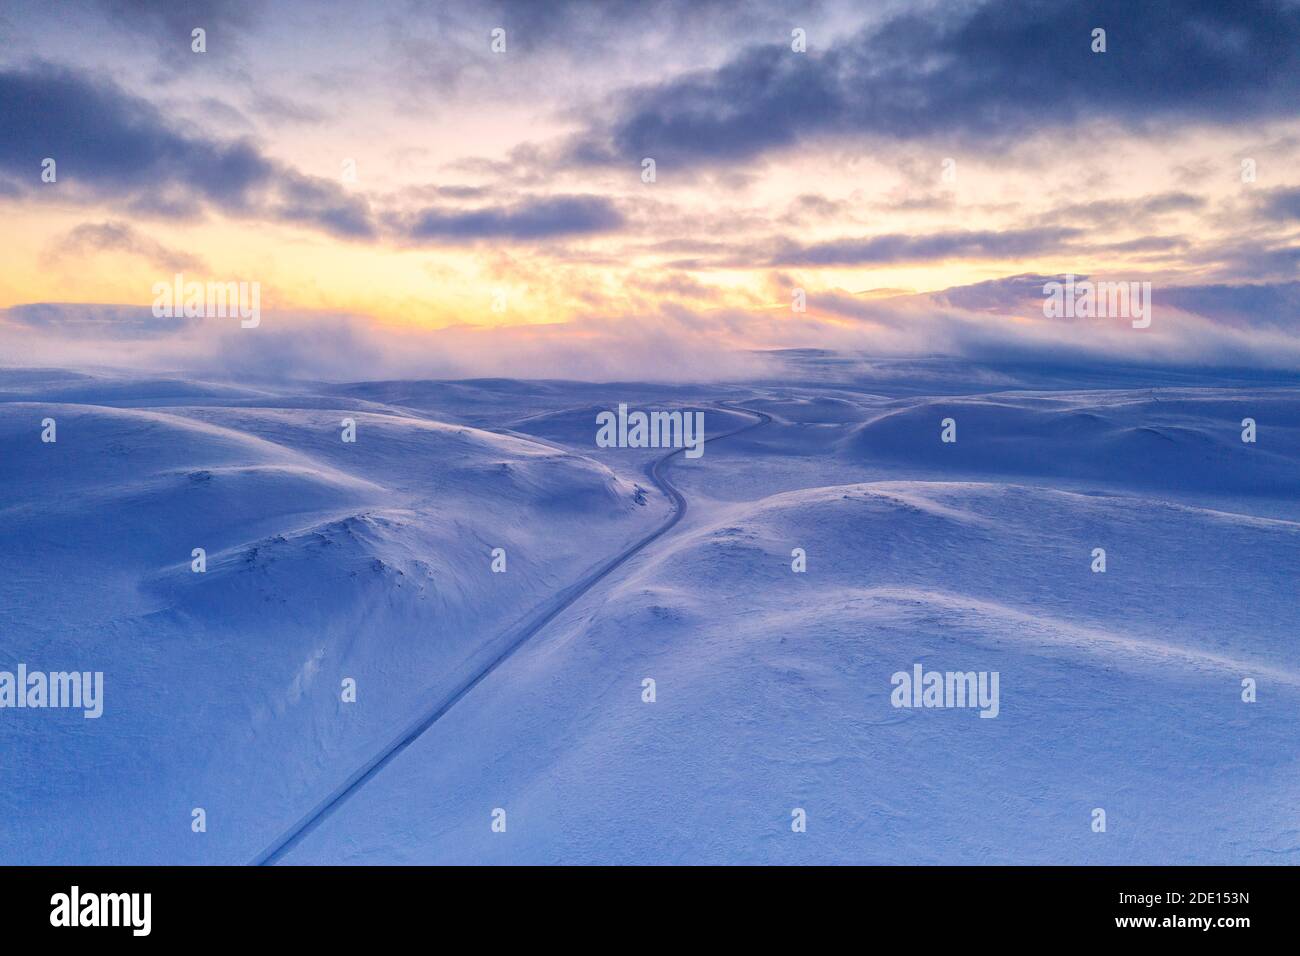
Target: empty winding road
x=655, y=471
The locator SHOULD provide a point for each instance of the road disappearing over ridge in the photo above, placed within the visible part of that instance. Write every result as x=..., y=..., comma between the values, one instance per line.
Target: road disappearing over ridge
x=655, y=471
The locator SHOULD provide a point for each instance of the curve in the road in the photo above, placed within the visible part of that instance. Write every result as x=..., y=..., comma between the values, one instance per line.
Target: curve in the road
x=655, y=471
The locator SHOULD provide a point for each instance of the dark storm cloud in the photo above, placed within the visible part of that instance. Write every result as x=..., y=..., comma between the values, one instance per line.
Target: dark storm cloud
x=320, y=203
x=108, y=140
x=528, y=219
x=984, y=73
x=116, y=148
x=120, y=148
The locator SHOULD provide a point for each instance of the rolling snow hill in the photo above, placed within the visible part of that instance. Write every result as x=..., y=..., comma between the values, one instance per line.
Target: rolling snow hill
x=524, y=691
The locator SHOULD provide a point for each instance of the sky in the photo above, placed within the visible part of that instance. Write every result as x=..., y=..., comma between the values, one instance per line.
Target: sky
x=412, y=201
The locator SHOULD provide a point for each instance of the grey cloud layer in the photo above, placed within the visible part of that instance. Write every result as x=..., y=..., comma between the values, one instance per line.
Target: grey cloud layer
x=988, y=72
x=533, y=219
x=909, y=248
x=116, y=236
x=120, y=148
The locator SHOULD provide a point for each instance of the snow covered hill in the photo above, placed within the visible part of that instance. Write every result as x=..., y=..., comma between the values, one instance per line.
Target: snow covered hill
x=773, y=689
x=325, y=560
x=1119, y=691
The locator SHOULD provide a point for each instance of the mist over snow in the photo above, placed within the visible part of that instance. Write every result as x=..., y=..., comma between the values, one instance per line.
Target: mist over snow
x=1205, y=327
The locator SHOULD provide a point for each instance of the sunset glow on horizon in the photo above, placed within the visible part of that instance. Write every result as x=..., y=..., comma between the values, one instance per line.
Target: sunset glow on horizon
x=464, y=182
